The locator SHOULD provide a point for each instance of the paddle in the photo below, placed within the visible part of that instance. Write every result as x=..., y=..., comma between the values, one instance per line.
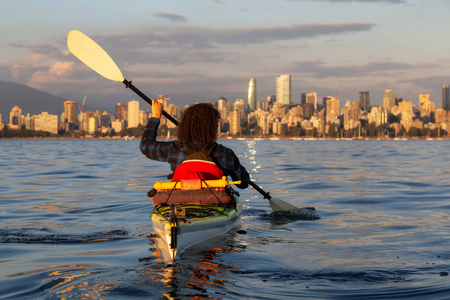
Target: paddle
x=92, y=55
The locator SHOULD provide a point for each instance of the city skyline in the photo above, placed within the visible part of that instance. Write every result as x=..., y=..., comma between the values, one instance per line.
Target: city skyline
x=276, y=115
x=207, y=50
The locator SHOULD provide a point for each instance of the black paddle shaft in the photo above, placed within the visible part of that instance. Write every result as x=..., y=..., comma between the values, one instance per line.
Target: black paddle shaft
x=175, y=121
x=260, y=190
x=148, y=100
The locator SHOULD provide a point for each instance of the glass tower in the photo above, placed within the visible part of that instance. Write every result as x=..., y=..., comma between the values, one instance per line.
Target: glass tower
x=251, y=93
x=364, y=101
x=445, y=97
x=283, y=89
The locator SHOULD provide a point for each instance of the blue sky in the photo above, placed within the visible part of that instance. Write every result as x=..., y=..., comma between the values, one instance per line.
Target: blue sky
x=200, y=50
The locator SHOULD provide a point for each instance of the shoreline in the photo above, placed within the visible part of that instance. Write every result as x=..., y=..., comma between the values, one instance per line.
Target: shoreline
x=161, y=138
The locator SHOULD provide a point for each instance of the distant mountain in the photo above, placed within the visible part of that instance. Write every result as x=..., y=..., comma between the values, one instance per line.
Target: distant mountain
x=30, y=100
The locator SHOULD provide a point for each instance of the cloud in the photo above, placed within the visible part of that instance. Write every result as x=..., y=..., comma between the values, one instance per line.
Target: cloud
x=362, y=1
x=318, y=69
x=205, y=37
x=183, y=38
x=147, y=56
x=182, y=45
x=171, y=17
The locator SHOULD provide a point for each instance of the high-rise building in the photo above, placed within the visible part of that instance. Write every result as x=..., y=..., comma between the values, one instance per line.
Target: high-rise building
x=389, y=99
x=308, y=110
x=235, y=122
x=121, y=112
x=143, y=117
x=105, y=119
x=46, y=122
x=15, y=118
x=251, y=93
x=426, y=107
x=221, y=103
x=69, y=111
x=239, y=105
x=352, y=115
x=332, y=106
x=92, y=124
x=309, y=98
x=163, y=99
x=29, y=122
x=283, y=89
x=445, y=97
x=133, y=113
x=364, y=101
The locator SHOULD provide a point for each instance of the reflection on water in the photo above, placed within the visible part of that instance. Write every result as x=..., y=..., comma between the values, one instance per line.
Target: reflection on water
x=75, y=224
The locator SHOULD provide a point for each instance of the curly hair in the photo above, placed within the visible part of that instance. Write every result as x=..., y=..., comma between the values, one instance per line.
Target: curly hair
x=199, y=123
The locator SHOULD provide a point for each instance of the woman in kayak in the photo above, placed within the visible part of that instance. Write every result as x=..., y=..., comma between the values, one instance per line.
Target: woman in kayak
x=197, y=130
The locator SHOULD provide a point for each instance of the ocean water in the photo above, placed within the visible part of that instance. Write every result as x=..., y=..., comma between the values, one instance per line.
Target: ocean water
x=75, y=223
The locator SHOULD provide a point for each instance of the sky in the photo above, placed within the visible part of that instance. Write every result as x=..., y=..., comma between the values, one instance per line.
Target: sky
x=203, y=50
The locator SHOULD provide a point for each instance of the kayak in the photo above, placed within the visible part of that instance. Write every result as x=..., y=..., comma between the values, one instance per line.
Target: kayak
x=192, y=211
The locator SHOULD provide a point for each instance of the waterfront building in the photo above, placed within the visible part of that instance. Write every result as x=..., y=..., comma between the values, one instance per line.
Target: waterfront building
x=133, y=114
x=308, y=110
x=404, y=111
x=174, y=111
x=15, y=118
x=121, y=112
x=332, y=107
x=29, y=122
x=263, y=123
x=143, y=117
x=239, y=105
x=251, y=93
x=84, y=120
x=426, y=107
x=352, y=115
x=445, y=97
x=106, y=118
x=118, y=126
x=441, y=116
x=309, y=98
x=69, y=111
x=364, y=101
x=162, y=98
x=221, y=103
x=98, y=115
x=2, y=125
x=224, y=113
x=92, y=124
x=283, y=89
x=276, y=127
x=319, y=123
x=279, y=111
x=46, y=122
x=389, y=99
x=235, y=122
x=378, y=115
x=296, y=111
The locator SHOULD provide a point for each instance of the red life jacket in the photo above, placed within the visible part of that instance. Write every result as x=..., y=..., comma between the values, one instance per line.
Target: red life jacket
x=198, y=165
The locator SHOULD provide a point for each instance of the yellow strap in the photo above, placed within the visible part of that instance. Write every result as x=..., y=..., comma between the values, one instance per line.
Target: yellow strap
x=218, y=183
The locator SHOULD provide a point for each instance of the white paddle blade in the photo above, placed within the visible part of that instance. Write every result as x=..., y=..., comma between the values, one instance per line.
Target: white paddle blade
x=280, y=205
x=92, y=55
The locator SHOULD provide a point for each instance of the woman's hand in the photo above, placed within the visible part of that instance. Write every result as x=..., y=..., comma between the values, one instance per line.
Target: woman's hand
x=156, y=109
